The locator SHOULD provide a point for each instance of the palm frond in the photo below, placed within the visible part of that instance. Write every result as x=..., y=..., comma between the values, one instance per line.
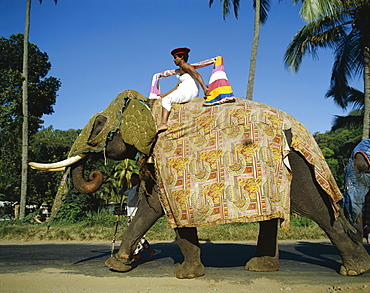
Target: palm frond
x=358, y=41
x=226, y=7
x=349, y=121
x=264, y=9
x=315, y=9
x=344, y=96
x=348, y=64
x=236, y=4
x=321, y=33
x=349, y=53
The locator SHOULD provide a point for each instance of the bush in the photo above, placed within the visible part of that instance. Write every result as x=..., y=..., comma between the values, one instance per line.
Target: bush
x=100, y=218
x=76, y=207
x=69, y=213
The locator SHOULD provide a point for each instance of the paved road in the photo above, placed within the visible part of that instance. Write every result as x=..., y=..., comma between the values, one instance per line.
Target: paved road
x=312, y=263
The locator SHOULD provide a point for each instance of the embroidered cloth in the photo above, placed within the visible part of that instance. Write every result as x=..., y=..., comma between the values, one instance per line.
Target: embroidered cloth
x=225, y=163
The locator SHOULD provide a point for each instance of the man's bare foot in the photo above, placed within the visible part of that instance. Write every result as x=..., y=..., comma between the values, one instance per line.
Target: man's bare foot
x=162, y=127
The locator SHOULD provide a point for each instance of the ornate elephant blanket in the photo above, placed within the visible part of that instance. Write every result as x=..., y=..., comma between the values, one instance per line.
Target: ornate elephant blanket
x=226, y=163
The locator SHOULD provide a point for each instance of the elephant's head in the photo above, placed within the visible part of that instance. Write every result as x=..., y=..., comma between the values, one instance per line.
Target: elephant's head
x=115, y=149
x=124, y=129
x=361, y=162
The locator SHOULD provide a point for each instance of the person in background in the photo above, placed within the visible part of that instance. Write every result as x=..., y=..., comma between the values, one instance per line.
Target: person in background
x=132, y=205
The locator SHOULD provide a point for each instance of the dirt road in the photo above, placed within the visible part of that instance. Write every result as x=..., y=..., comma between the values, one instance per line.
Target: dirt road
x=79, y=267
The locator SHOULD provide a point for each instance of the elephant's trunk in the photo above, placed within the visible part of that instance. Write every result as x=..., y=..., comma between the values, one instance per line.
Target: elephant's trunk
x=79, y=181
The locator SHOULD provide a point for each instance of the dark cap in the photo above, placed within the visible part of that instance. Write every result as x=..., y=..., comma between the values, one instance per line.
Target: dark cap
x=179, y=51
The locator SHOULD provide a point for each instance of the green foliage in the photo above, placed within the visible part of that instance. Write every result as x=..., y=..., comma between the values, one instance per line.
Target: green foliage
x=312, y=10
x=101, y=226
x=116, y=179
x=337, y=147
x=48, y=145
x=100, y=218
x=42, y=90
x=76, y=206
x=226, y=6
x=299, y=221
x=41, y=98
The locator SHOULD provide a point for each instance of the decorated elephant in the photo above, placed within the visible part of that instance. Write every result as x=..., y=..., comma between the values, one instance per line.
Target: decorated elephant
x=236, y=162
x=356, y=196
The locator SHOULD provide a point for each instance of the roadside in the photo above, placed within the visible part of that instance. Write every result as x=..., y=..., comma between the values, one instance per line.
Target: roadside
x=55, y=266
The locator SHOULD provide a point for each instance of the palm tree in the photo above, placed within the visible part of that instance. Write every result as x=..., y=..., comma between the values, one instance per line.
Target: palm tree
x=25, y=111
x=261, y=9
x=25, y=114
x=259, y=19
x=344, y=26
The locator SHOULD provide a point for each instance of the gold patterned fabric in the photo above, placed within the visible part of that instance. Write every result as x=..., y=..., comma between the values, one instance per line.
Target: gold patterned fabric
x=226, y=164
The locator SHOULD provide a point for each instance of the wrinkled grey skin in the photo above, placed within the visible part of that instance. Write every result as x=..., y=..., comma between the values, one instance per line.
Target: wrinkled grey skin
x=307, y=199
x=361, y=163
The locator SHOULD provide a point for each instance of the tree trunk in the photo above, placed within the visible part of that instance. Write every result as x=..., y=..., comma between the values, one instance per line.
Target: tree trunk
x=25, y=114
x=253, y=59
x=366, y=126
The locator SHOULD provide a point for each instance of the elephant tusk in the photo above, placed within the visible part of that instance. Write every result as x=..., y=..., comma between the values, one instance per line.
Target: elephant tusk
x=51, y=169
x=56, y=166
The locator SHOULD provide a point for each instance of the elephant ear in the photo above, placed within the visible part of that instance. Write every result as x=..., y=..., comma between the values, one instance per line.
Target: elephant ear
x=138, y=127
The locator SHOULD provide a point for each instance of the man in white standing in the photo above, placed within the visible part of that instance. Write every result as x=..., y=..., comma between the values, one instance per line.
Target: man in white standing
x=132, y=205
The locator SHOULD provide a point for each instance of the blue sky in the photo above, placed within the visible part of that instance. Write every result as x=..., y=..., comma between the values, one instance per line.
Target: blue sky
x=99, y=48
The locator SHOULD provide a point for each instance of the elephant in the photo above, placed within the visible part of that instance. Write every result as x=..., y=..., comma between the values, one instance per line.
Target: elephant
x=296, y=157
x=356, y=196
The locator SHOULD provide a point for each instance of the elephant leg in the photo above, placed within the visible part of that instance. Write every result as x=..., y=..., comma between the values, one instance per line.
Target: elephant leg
x=192, y=267
x=149, y=211
x=266, y=258
x=309, y=200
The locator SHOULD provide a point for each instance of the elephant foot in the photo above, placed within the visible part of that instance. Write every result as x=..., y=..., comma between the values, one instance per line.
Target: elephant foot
x=263, y=264
x=189, y=270
x=118, y=264
x=355, y=269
